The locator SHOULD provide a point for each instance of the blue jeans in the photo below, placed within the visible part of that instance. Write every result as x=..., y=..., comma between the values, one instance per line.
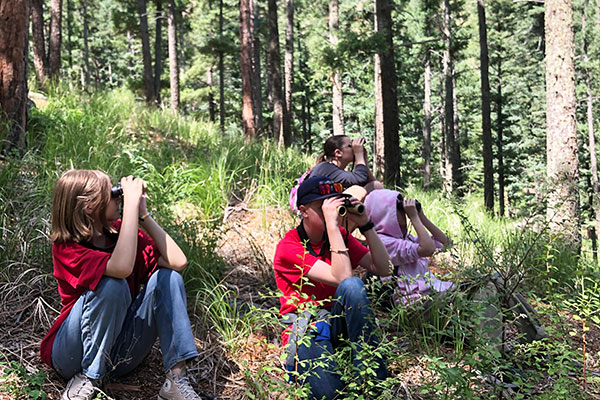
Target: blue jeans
x=351, y=319
x=106, y=333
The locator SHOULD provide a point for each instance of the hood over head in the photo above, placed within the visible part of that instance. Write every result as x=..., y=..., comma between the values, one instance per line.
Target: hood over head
x=381, y=207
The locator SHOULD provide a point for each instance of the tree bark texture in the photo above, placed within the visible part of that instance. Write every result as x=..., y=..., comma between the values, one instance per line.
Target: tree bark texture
x=276, y=92
x=595, y=203
x=221, y=74
x=499, y=149
x=55, y=34
x=246, y=55
x=146, y=57
x=14, y=15
x=427, y=120
x=562, y=166
x=86, y=50
x=40, y=61
x=288, y=71
x=256, y=70
x=386, y=96
x=452, y=178
x=336, y=77
x=486, y=123
x=158, y=51
x=173, y=64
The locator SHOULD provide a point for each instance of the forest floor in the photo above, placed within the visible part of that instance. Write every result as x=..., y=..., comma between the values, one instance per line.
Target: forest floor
x=248, y=243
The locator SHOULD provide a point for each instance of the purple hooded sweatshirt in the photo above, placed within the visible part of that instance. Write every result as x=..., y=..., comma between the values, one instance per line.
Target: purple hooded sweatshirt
x=414, y=278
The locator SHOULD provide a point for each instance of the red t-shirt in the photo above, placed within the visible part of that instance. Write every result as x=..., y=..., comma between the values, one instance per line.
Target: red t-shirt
x=78, y=268
x=292, y=262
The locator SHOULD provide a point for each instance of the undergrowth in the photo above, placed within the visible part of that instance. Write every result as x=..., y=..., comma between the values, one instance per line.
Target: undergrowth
x=194, y=173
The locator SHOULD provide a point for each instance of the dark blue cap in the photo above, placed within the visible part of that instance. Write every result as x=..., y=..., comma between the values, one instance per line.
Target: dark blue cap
x=318, y=188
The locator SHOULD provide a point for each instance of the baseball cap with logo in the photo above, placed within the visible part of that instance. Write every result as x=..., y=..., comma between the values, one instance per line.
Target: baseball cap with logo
x=318, y=188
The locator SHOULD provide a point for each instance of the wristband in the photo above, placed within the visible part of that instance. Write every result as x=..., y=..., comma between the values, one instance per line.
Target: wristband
x=339, y=251
x=368, y=226
x=146, y=215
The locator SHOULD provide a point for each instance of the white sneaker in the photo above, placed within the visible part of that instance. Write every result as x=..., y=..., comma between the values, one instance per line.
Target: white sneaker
x=80, y=387
x=177, y=387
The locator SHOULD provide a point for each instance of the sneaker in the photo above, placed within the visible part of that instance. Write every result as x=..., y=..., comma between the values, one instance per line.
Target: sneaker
x=177, y=387
x=80, y=387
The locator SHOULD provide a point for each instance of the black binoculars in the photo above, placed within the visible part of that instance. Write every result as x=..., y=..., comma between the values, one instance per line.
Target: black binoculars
x=347, y=207
x=400, y=204
x=117, y=190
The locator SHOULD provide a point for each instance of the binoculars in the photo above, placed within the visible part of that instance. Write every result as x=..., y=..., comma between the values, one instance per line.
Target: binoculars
x=117, y=190
x=400, y=205
x=347, y=207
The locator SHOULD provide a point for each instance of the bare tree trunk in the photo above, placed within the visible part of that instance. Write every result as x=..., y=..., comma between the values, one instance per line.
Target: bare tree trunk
x=55, y=39
x=14, y=37
x=86, y=51
x=289, y=71
x=427, y=120
x=256, y=71
x=221, y=74
x=595, y=203
x=158, y=51
x=336, y=78
x=561, y=140
x=40, y=61
x=500, y=151
x=386, y=95
x=486, y=123
x=69, y=41
x=173, y=65
x=246, y=54
x=146, y=57
x=452, y=169
x=276, y=93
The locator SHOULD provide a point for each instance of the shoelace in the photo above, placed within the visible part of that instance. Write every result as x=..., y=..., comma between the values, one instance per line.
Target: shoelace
x=184, y=386
x=85, y=390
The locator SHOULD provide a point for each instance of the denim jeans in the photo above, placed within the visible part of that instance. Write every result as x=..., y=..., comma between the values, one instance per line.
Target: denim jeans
x=351, y=319
x=106, y=333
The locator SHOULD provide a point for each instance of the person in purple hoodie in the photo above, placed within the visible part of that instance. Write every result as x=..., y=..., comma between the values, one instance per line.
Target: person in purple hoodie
x=390, y=212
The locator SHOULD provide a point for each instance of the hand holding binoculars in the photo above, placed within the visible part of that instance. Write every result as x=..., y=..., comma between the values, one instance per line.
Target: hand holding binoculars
x=117, y=190
x=348, y=207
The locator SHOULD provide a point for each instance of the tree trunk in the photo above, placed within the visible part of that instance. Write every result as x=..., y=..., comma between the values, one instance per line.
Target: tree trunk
x=276, y=93
x=452, y=179
x=69, y=41
x=221, y=74
x=595, y=203
x=146, y=57
x=305, y=102
x=427, y=121
x=336, y=78
x=14, y=37
x=289, y=71
x=86, y=51
x=561, y=140
x=386, y=97
x=486, y=124
x=158, y=51
x=500, y=152
x=40, y=61
x=173, y=65
x=212, y=113
x=55, y=39
x=246, y=54
x=256, y=71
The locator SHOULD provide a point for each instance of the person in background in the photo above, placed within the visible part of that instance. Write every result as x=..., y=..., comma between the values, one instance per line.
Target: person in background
x=108, y=323
x=321, y=302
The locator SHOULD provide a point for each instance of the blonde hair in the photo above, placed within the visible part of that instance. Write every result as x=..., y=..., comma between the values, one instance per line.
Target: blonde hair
x=80, y=198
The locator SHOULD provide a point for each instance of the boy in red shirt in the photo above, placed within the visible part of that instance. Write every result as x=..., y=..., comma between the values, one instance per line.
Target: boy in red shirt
x=321, y=299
